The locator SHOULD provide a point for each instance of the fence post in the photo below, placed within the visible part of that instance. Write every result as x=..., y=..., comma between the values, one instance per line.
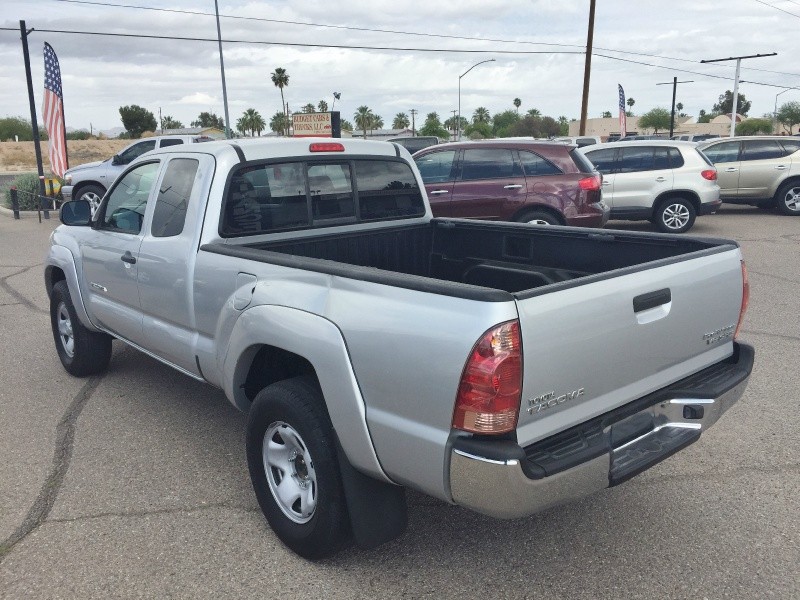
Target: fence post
x=43, y=201
x=14, y=202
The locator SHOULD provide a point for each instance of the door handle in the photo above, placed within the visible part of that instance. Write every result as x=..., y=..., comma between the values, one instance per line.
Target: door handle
x=781, y=168
x=128, y=258
x=438, y=192
x=606, y=183
x=651, y=300
x=731, y=170
x=659, y=179
x=513, y=186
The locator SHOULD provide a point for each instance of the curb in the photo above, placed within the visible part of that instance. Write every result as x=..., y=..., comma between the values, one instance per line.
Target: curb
x=7, y=212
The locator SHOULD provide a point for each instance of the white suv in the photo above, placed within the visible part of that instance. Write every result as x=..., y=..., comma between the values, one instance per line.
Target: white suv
x=666, y=182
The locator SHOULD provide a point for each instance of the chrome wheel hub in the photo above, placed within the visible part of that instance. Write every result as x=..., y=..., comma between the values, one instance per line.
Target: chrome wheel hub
x=792, y=199
x=93, y=200
x=290, y=472
x=65, y=332
x=676, y=216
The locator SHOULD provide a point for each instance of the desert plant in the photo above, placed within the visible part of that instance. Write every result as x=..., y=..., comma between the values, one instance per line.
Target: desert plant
x=27, y=191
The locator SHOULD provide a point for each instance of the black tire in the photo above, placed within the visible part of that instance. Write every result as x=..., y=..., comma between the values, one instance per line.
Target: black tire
x=82, y=352
x=286, y=408
x=538, y=217
x=91, y=193
x=674, y=215
x=788, y=198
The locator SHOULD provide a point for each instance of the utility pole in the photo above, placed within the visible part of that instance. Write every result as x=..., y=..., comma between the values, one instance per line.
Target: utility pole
x=222, y=70
x=456, y=123
x=160, y=120
x=34, y=123
x=674, y=83
x=738, y=60
x=587, y=69
x=413, y=112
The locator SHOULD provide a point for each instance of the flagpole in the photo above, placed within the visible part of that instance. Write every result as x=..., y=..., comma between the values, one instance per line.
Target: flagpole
x=64, y=126
x=26, y=57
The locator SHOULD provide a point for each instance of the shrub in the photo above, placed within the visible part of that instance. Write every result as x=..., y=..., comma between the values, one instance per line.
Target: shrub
x=27, y=191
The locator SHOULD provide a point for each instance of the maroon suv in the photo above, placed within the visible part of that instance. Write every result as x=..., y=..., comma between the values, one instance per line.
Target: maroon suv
x=529, y=182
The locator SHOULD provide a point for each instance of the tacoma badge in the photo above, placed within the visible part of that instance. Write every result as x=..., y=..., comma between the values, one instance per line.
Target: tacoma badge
x=549, y=400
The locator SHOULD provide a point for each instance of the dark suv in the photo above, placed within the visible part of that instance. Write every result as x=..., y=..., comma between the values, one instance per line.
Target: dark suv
x=545, y=183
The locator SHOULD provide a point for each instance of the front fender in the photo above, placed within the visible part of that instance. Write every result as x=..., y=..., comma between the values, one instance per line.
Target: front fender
x=320, y=342
x=59, y=257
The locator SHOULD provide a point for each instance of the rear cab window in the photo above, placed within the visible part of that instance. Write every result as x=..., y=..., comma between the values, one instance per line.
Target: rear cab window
x=280, y=196
x=534, y=165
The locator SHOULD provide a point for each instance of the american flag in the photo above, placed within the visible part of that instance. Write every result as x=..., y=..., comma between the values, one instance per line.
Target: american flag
x=53, y=112
x=623, y=118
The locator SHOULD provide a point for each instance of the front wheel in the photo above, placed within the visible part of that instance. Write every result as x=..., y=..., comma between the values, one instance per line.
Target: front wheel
x=93, y=194
x=538, y=217
x=291, y=455
x=674, y=215
x=788, y=198
x=82, y=352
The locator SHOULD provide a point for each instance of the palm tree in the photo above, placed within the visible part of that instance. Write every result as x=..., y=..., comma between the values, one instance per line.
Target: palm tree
x=278, y=122
x=241, y=125
x=258, y=124
x=252, y=120
x=308, y=108
x=534, y=112
x=481, y=115
x=400, y=121
x=517, y=104
x=346, y=125
x=376, y=122
x=630, y=102
x=281, y=80
x=363, y=119
x=170, y=123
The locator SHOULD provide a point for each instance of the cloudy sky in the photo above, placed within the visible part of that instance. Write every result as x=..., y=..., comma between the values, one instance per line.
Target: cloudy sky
x=537, y=46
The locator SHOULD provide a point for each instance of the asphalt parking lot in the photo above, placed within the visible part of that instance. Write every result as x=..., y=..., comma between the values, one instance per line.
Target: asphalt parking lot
x=135, y=484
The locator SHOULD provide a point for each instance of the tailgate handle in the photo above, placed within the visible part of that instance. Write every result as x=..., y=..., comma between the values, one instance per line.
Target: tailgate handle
x=651, y=300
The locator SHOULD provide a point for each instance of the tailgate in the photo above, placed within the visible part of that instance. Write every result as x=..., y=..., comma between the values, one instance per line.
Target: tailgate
x=591, y=348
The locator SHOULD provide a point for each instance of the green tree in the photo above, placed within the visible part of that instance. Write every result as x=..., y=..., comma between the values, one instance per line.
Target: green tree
x=20, y=127
x=242, y=125
x=606, y=114
x=279, y=123
x=502, y=123
x=280, y=78
x=655, y=119
x=346, y=125
x=704, y=117
x=724, y=104
x=363, y=119
x=481, y=115
x=451, y=123
x=534, y=112
x=563, y=125
x=630, y=102
x=754, y=127
x=479, y=130
x=375, y=122
x=308, y=108
x=136, y=120
x=400, y=121
x=170, y=123
x=535, y=127
x=208, y=119
x=517, y=104
x=433, y=126
x=322, y=106
x=789, y=114
x=251, y=121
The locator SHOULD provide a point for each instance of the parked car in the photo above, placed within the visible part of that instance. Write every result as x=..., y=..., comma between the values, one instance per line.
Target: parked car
x=580, y=141
x=667, y=182
x=639, y=138
x=545, y=183
x=760, y=170
x=692, y=137
x=416, y=143
x=90, y=181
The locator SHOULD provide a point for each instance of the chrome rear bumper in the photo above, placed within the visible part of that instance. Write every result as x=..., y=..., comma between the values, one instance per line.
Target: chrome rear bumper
x=505, y=481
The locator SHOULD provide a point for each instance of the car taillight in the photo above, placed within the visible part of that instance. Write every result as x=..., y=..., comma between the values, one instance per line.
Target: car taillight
x=326, y=147
x=745, y=299
x=491, y=384
x=590, y=184
x=710, y=174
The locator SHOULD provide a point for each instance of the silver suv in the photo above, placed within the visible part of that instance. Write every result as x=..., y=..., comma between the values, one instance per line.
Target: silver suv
x=666, y=182
x=91, y=180
x=759, y=170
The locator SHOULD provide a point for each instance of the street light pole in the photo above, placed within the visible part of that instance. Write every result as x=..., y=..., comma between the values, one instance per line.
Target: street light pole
x=674, y=83
x=458, y=128
x=775, y=112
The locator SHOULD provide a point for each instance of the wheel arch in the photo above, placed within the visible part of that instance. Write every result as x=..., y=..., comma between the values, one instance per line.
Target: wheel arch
x=672, y=194
x=546, y=208
x=60, y=266
x=791, y=180
x=76, y=189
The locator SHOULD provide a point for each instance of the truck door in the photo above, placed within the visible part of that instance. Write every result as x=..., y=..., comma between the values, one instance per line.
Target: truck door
x=110, y=252
x=167, y=255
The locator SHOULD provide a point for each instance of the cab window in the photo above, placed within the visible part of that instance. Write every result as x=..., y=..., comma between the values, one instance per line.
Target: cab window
x=723, y=152
x=169, y=215
x=128, y=155
x=436, y=167
x=126, y=204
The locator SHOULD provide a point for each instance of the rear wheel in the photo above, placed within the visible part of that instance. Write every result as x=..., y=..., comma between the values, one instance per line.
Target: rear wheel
x=538, y=217
x=82, y=352
x=291, y=455
x=788, y=198
x=674, y=215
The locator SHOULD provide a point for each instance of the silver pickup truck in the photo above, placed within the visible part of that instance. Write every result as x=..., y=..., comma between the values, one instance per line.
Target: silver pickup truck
x=502, y=367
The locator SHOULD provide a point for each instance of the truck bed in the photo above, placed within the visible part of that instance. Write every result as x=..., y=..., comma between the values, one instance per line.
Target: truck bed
x=515, y=258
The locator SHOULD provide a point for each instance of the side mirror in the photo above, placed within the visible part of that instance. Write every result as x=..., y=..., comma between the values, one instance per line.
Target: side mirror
x=115, y=160
x=76, y=213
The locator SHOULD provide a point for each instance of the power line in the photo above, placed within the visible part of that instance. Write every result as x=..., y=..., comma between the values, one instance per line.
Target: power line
x=395, y=32
x=778, y=8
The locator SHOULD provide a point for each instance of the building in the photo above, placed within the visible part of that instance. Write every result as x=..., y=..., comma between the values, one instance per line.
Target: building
x=605, y=128
x=212, y=132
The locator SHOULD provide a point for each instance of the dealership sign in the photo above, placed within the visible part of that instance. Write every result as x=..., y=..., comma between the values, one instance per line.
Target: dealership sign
x=325, y=124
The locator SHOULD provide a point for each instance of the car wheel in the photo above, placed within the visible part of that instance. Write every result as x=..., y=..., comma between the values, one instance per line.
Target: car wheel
x=788, y=198
x=538, y=217
x=82, y=352
x=675, y=215
x=93, y=194
x=291, y=455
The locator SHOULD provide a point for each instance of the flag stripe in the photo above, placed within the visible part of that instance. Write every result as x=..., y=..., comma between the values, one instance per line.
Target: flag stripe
x=623, y=118
x=53, y=112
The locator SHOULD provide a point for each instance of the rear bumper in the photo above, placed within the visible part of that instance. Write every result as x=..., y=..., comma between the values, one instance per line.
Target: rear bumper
x=501, y=479
x=596, y=216
x=709, y=208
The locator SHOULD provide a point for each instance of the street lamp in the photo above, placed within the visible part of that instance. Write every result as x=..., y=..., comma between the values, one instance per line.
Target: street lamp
x=458, y=122
x=775, y=112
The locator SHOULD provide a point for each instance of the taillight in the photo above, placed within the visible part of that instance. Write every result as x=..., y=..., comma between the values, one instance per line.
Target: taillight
x=745, y=299
x=491, y=384
x=590, y=184
x=326, y=147
x=710, y=174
